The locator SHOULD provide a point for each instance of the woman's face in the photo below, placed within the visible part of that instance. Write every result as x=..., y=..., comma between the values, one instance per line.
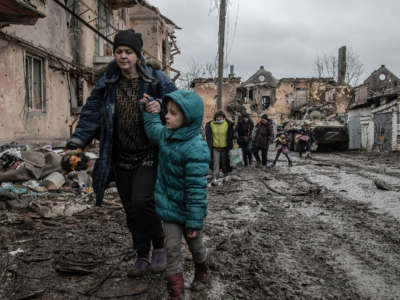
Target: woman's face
x=219, y=118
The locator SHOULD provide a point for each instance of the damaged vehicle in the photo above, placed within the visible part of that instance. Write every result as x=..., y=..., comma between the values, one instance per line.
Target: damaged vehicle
x=330, y=131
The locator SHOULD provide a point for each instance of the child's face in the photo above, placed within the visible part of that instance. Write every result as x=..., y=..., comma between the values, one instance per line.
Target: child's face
x=174, y=118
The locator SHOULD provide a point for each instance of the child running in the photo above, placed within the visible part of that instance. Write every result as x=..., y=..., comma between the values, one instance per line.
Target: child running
x=282, y=146
x=180, y=192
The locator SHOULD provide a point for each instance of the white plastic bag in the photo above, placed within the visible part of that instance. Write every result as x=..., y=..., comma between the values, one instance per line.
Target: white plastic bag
x=235, y=157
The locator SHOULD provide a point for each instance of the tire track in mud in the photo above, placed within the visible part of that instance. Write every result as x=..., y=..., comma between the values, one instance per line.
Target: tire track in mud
x=275, y=254
x=367, y=239
x=340, y=160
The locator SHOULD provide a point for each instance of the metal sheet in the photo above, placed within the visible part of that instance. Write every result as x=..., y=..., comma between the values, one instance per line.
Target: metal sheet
x=383, y=130
x=354, y=132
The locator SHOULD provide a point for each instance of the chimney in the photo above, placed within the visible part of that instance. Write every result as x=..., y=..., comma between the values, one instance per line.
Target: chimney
x=342, y=65
x=232, y=74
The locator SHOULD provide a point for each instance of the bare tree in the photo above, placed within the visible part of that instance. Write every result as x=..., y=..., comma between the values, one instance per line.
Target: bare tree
x=196, y=70
x=327, y=66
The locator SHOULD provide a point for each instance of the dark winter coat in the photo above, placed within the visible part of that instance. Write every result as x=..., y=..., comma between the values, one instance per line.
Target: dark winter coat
x=183, y=159
x=97, y=118
x=307, y=132
x=264, y=135
x=244, y=131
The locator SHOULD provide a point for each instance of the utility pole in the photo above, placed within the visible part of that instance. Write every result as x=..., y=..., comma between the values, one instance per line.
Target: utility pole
x=221, y=42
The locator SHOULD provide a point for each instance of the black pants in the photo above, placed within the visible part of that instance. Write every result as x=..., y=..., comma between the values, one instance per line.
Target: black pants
x=304, y=146
x=264, y=154
x=278, y=153
x=246, y=152
x=136, y=189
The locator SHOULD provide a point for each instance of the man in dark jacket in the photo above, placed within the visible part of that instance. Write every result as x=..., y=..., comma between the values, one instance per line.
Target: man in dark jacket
x=263, y=137
x=219, y=136
x=112, y=114
x=305, y=139
x=244, y=130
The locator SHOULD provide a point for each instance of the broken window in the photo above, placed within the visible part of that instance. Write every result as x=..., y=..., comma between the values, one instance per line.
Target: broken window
x=266, y=101
x=103, y=48
x=122, y=14
x=34, y=82
x=76, y=93
x=164, y=54
x=72, y=22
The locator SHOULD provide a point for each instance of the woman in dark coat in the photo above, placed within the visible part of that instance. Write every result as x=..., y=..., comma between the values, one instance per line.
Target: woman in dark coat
x=244, y=131
x=264, y=136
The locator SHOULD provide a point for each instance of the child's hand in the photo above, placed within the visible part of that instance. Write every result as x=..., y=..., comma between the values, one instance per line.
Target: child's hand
x=191, y=234
x=152, y=107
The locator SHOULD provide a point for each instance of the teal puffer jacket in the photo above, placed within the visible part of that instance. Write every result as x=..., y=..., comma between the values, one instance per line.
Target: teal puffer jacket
x=183, y=160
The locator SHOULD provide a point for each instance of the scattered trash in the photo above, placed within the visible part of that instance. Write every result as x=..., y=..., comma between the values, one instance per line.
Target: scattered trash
x=13, y=253
x=83, y=179
x=48, y=147
x=111, y=190
x=91, y=155
x=50, y=210
x=8, y=186
x=34, y=185
x=54, y=181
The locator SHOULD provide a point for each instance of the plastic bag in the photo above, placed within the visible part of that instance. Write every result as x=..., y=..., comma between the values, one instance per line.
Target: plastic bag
x=235, y=157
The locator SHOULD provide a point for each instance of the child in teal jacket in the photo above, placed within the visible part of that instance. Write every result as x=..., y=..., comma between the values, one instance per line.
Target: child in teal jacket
x=180, y=192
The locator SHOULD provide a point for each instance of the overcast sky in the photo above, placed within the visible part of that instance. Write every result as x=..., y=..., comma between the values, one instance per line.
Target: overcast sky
x=286, y=36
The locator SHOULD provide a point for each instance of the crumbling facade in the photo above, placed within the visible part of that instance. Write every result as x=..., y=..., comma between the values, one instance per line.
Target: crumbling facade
x=282, y=99
x=207, y=89
x=158, y=32
x=374, y=115
x=49, y=69
x=285, y=98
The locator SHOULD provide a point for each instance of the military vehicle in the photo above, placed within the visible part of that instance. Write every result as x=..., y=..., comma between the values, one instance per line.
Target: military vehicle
x=330, y=132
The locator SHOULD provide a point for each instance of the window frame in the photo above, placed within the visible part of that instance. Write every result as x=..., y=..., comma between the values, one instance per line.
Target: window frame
x=29, y=88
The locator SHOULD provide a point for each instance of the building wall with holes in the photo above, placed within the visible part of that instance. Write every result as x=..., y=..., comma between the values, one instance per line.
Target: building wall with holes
x=207, y=89
x=53, y=42
x=154, y=32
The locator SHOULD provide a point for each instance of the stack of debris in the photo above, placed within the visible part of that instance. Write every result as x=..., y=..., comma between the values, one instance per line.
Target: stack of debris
x=33, y=178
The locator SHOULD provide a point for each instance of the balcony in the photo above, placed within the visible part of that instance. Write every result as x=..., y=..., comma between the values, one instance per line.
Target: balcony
x=19, y=12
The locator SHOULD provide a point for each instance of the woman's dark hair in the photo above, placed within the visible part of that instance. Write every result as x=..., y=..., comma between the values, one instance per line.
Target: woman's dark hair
x=219, y=113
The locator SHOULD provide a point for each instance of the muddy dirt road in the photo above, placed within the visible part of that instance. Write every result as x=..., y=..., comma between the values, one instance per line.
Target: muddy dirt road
x=327, y=228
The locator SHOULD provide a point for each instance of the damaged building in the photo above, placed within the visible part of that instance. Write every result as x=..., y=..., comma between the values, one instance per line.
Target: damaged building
x=374, y=115
x=285, y=99
x=207, y=89
x=281, y=99
x=51, y=53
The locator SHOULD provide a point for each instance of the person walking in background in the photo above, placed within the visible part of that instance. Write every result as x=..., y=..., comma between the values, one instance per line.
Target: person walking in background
x=305, y=139
x=219, y=136
x=263, y=137
x=112, y=114
x=181, y=188
x=244, y=130
x=282, y=146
